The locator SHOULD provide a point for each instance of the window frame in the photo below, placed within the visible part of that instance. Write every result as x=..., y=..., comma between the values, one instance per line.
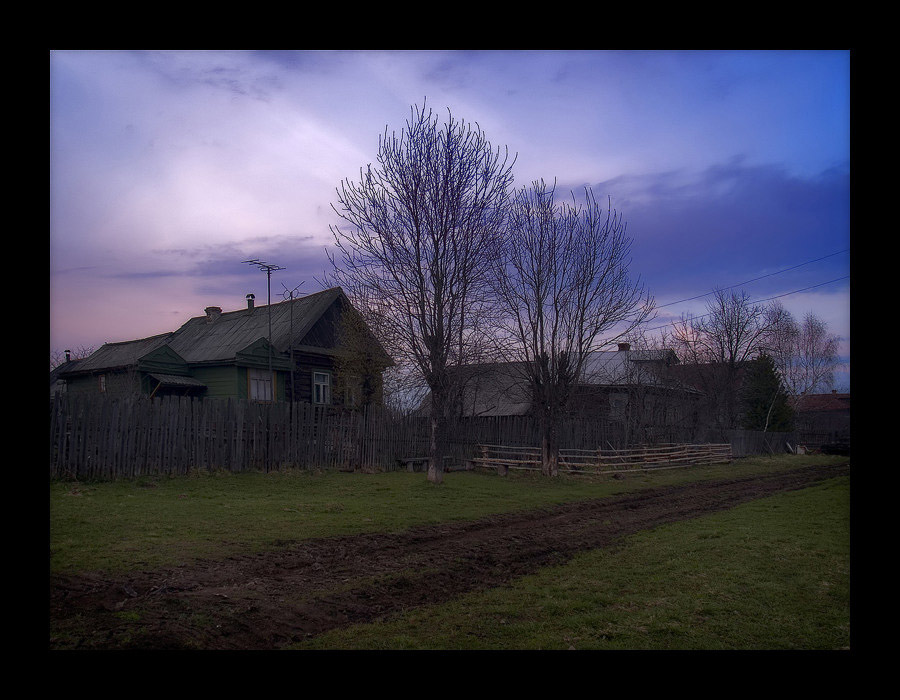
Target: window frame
x=326, y=385
x=261, y=377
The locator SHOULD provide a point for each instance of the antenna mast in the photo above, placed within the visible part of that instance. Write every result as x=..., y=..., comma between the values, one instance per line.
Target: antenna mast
x=269, y=268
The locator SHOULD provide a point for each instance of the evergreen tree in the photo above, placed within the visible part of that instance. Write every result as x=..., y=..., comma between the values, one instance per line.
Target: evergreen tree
x=765, y=400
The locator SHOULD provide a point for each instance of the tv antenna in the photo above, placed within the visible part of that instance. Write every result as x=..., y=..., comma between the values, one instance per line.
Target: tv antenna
x=268, y=268
x=290, y=293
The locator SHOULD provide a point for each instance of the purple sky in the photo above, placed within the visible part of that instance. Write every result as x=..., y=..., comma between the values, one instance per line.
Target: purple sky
x=170, y=168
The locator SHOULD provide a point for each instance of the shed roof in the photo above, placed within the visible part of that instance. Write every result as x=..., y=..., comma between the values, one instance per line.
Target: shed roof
x=833, y=402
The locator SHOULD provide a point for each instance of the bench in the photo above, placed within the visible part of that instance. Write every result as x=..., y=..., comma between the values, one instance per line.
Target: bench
x=414, y=464
x=419, y=464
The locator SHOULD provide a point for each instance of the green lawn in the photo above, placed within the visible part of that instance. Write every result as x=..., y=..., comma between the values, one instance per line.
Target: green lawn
x=771, y=574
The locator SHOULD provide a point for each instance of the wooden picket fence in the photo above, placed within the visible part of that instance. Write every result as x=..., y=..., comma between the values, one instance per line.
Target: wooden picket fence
x=604, y=461
x=102, y=438
x=96, y=437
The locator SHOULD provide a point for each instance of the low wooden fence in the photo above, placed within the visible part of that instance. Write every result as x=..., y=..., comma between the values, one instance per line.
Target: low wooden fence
x=605, y=461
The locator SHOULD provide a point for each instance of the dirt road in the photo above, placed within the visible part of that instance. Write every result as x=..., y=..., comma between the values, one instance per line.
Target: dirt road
x=270, y=600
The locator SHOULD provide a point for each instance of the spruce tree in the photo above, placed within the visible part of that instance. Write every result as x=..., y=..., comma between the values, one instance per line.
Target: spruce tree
x=765, y=401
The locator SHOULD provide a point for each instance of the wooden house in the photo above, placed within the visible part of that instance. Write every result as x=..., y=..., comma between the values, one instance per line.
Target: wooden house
x=821, y=418
x=294, y=350
x=623, y=386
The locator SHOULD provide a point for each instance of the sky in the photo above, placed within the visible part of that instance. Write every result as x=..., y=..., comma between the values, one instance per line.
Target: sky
x=168, y=169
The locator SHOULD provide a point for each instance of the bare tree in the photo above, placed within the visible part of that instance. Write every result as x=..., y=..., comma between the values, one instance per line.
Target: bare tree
x=423, y=230
x=805, y=353
x=562, y=283
x=719, y=343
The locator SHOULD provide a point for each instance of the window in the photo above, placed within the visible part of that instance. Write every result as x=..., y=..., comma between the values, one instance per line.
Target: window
x=321, y=387
x=102, y=383
x=260, y=384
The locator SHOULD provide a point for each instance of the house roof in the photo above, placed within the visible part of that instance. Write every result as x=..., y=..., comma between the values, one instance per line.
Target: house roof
x=823, y=402
x=114, y=355
x=200, y=340
x=494, y=389
x=219, y=337
x=626, y=367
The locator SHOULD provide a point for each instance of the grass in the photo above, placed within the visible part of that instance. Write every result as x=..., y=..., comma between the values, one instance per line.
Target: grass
x=772, y=574
x=163, y=521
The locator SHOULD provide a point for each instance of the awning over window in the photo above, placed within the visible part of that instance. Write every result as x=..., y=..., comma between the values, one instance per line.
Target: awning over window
x=174, y=380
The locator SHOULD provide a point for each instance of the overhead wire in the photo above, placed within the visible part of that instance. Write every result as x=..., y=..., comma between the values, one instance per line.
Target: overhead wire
x=771, y=274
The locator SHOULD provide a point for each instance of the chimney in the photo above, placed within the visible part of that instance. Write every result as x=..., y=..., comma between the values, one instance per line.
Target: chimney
x=250, y=298
x=624, y=347
x=212, y=313
x=68, y=355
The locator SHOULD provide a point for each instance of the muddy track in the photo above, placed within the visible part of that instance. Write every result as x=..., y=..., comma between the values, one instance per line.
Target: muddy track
x=269, y=600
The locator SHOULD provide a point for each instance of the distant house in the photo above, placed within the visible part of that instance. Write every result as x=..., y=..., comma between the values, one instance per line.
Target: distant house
x=623, y=385
x=638, y=387
x=232, y=355
x=823, y=414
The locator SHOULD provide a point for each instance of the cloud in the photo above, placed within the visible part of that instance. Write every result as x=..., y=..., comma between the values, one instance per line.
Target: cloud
x=732, y=222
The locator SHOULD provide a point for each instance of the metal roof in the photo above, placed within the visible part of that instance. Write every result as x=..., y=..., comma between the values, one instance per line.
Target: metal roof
x=125, y=354
x=200, y=340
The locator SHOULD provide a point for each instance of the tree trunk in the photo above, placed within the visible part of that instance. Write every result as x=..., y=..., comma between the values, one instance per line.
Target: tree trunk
x=549, y=446
x=438, y=443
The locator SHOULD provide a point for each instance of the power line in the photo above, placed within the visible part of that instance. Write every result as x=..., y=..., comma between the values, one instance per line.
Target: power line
x=771, y=274
x=797, y=291
x=760, y=301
